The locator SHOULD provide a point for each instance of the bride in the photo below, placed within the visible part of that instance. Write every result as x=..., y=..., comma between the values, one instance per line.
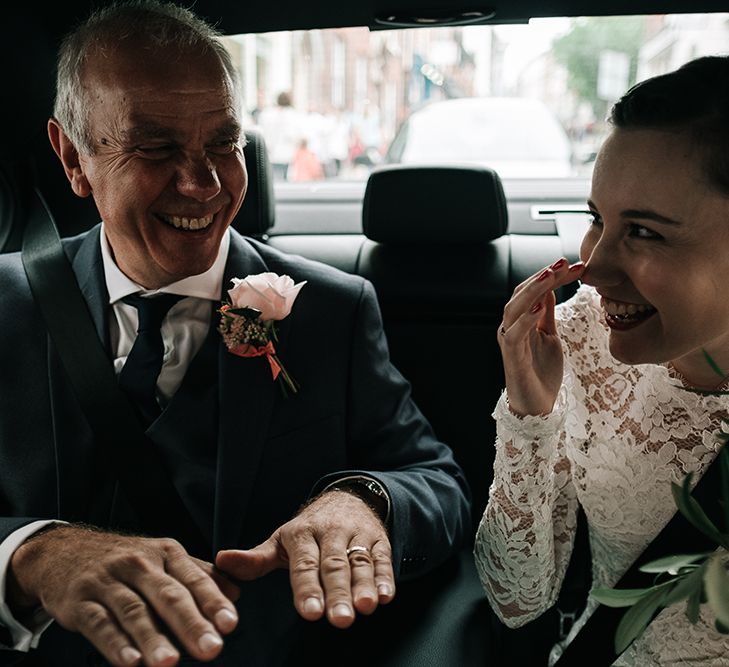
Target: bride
x=594, y=412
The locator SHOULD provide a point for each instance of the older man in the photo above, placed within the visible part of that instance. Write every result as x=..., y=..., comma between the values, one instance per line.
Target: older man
x=147, y=122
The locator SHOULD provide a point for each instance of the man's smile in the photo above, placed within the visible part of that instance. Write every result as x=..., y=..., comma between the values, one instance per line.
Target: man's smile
x=180, y=222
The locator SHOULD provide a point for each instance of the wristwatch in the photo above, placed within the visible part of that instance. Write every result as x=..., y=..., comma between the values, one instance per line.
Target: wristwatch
x=367, y=489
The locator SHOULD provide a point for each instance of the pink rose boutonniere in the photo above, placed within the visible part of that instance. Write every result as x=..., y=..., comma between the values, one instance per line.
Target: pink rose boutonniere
x=248, y=322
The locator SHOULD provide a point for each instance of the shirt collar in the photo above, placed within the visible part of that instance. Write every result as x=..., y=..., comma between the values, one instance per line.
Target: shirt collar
x=207, y=285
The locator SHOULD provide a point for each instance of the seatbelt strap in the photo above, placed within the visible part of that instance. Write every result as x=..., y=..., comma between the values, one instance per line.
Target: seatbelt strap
x=595, y=642
x=126, y=449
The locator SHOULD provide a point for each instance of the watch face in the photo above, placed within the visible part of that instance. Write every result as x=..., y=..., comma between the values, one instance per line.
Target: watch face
x=375, y=488
x=370, y=485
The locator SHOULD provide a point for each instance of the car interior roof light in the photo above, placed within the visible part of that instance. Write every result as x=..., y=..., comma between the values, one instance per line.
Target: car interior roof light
x=432, y=18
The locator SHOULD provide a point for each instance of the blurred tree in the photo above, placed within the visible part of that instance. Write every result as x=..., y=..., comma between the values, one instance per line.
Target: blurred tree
x=579, y=51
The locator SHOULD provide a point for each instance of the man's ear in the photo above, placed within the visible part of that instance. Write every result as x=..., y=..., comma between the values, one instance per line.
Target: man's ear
x=69, y=157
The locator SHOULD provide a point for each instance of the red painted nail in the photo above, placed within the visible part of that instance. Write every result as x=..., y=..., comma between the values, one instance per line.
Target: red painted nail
x=577, y=266
x=544, y=274
x=558, y=264
x=536, y=307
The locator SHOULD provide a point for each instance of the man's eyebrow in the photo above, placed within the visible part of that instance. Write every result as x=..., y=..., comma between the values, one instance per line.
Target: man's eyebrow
x=145, y=133
x=229, y=129
x=641, y=214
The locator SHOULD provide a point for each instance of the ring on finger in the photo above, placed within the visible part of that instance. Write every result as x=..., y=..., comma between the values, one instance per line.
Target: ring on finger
x=357, y=548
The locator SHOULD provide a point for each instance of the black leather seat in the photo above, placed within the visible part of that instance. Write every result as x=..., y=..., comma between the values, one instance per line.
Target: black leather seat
x=258, y=212
x=435, y=248
x=439, y=258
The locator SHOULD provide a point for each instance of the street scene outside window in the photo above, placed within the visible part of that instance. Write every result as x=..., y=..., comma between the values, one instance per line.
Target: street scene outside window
x=527, y=100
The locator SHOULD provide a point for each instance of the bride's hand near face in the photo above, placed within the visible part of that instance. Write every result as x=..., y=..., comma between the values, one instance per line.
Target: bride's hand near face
x=530, y=346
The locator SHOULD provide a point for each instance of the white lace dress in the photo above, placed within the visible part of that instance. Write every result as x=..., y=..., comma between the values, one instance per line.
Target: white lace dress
x=616, y=438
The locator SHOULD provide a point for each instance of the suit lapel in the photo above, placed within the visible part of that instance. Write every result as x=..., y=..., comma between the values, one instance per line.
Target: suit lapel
x=246, y=395
x=89, y=269
x=81, y=481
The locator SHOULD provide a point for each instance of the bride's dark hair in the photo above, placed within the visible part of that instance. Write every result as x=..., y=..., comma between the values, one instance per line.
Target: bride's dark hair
x=692, y=99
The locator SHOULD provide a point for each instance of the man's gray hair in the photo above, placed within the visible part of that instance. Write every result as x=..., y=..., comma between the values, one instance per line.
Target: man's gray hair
x=161, y=23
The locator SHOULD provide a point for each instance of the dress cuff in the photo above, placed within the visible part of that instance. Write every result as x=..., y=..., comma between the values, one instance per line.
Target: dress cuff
x=532, y=426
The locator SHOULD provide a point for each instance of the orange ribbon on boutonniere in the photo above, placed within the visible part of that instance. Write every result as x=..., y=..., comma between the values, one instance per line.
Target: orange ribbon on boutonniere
x=248, y=319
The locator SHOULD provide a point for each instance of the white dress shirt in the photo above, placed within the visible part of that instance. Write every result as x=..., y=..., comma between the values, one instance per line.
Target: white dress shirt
x=183, y=332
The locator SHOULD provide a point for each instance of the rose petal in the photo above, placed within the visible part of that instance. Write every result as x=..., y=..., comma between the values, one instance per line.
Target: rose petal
x=268, y=292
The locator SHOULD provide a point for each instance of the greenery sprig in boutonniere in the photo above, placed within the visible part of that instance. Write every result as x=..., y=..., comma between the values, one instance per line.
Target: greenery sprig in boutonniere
x=698, y=579
x=248, y=319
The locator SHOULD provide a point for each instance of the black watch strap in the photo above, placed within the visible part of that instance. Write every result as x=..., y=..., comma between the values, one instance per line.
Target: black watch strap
x=367, y=489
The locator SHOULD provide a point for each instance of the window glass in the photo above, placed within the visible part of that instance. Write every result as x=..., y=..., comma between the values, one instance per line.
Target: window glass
x=528, y=100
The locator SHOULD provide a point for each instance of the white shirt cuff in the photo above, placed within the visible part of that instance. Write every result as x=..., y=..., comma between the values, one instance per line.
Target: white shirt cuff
x=23, y=638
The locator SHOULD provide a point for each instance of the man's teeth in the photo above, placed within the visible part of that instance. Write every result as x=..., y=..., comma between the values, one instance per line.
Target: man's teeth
x=188, y=223
x=627, y=310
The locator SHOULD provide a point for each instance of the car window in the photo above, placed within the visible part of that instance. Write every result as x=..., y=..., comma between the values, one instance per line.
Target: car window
x=529, y=100
x=517, y=136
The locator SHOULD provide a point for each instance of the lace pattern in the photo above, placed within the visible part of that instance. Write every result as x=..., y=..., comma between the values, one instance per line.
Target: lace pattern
x=616, y=438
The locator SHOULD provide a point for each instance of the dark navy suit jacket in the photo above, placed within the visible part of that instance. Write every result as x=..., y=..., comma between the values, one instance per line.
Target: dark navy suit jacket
x=353, y=413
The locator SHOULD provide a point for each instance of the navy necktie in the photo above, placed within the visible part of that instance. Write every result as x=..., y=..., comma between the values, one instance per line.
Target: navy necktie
x=138, y=377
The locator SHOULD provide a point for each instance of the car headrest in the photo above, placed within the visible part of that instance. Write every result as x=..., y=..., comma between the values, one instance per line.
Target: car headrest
x=434, y=204
x=258, y=213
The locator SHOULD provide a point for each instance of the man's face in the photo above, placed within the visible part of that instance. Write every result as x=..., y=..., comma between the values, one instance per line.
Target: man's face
x=168, y=174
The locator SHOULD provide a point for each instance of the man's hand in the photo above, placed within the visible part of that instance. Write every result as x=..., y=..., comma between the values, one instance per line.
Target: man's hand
x=314, y=545
x=115, y=590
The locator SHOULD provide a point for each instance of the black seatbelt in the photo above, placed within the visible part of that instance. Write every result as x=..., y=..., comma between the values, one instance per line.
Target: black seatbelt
x=594, y=644
x=126, y=449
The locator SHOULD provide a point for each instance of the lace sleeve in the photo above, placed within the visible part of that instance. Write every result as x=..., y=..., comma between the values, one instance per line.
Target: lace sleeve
x=525, y=536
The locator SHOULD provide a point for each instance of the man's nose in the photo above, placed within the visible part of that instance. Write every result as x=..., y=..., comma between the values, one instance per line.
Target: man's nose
x=197, y=178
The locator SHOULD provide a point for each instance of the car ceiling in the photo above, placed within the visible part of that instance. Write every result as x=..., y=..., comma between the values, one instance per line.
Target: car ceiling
x=234, y=16
x=294, y=14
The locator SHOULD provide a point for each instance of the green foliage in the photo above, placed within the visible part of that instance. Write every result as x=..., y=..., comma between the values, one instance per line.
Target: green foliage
x=696, y=516
x=620, y=597
x=671, y=564
x=714, y=366
x=696, y=578
x=638, y=616
x=579, y=51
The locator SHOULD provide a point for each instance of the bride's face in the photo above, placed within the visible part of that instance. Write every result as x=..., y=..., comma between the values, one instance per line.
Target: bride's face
x=658, y=252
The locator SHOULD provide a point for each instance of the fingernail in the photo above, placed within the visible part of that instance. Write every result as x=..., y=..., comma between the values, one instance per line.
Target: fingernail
x=559, y=264
x=384, y=589
x=341, y=611
x=577, y=266
x=536, y=307
x=312, y=606
x=129, y=655
x=226, y=620
x=544, y=274
x=163, y=653
x=209, y=641
x=368, y=596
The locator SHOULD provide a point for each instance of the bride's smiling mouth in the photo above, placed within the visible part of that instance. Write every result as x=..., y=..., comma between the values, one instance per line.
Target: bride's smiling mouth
x=621, y=315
